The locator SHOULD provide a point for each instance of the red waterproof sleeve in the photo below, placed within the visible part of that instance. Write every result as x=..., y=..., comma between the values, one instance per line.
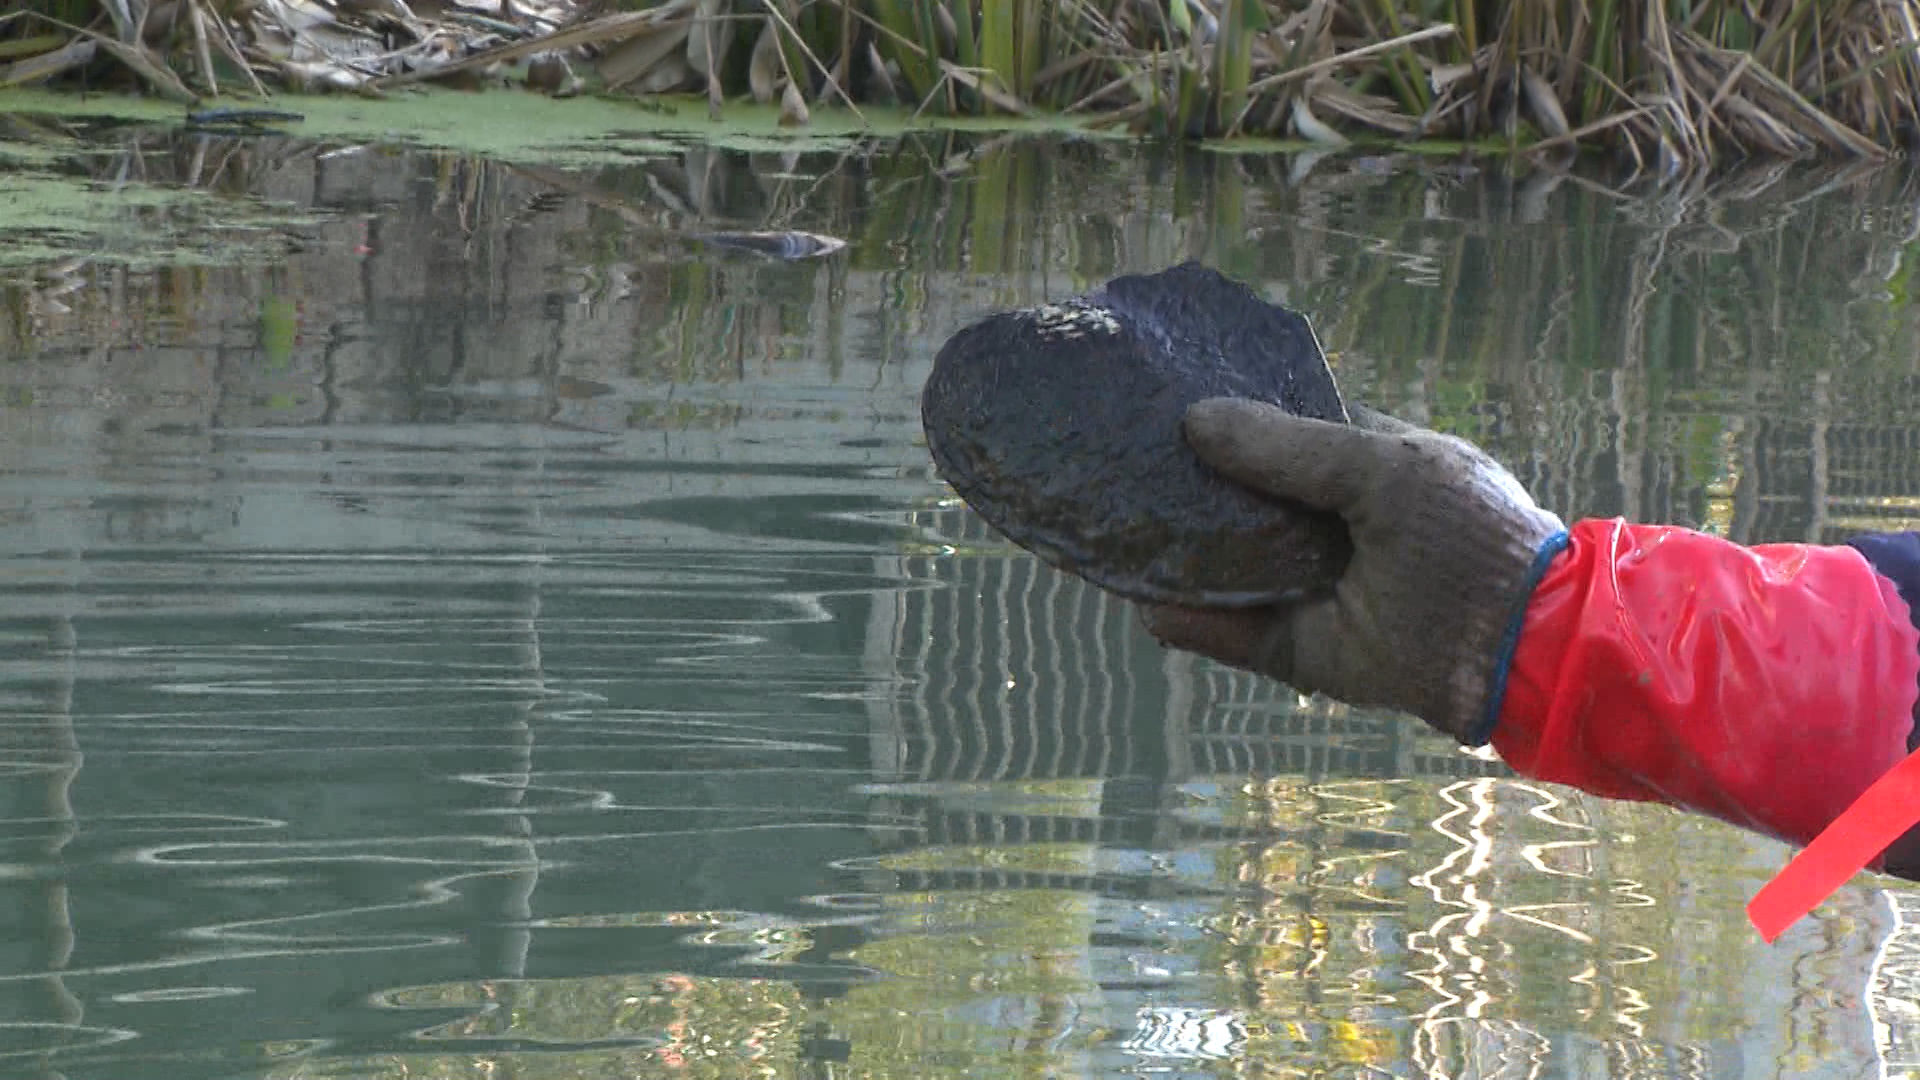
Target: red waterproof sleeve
x=1767, y=686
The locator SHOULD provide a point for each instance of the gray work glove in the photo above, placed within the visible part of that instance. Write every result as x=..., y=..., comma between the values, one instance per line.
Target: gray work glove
x=1444, y=540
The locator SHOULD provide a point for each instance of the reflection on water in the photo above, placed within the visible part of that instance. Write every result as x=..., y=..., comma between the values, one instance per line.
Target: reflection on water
x=489, y=637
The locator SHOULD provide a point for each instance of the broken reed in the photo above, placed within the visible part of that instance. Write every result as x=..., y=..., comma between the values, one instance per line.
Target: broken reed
x=1672, y=83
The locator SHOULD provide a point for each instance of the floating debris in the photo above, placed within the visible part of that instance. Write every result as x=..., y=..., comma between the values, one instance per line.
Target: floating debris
x=779, y=245
x=209, y=118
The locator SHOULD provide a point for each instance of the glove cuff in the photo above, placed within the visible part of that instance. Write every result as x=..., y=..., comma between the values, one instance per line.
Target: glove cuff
x=1486, y=549
x=1482, y=731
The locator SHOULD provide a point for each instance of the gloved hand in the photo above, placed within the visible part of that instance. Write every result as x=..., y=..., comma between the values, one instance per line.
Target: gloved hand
x=1447, y=548
x=1772, y=686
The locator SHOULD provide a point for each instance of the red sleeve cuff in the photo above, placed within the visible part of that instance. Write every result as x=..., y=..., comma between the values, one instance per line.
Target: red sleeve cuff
x=1767, y=686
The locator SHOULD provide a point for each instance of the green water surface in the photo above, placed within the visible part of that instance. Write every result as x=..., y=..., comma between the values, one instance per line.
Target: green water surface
x=452, y=625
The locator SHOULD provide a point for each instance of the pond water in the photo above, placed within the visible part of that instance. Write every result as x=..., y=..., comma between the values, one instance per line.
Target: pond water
x=451, y=625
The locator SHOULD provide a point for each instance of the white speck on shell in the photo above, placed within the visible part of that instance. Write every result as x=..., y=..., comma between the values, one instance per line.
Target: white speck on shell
x=1071, y=320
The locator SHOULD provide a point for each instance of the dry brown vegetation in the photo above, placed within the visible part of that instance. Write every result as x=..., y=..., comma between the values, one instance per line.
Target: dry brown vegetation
x=1671, y=84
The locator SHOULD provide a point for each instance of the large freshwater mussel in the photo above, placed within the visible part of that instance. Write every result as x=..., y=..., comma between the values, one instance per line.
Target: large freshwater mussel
x=1060, y=425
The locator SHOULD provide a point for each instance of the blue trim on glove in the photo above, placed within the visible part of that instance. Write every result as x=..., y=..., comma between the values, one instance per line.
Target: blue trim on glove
x=1482, y=732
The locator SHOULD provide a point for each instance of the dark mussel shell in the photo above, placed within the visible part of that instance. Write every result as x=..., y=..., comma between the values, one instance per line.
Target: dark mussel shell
x=1061, y=426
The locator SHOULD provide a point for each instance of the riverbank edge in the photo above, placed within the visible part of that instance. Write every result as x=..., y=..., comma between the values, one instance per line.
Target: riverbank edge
x=1663, y=93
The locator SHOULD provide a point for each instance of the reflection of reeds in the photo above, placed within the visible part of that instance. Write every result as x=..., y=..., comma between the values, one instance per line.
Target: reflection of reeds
x=1718, y=353
x=1009, y=670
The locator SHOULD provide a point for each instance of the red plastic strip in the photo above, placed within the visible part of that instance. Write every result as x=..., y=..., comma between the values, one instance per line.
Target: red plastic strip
x=1876, y=819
